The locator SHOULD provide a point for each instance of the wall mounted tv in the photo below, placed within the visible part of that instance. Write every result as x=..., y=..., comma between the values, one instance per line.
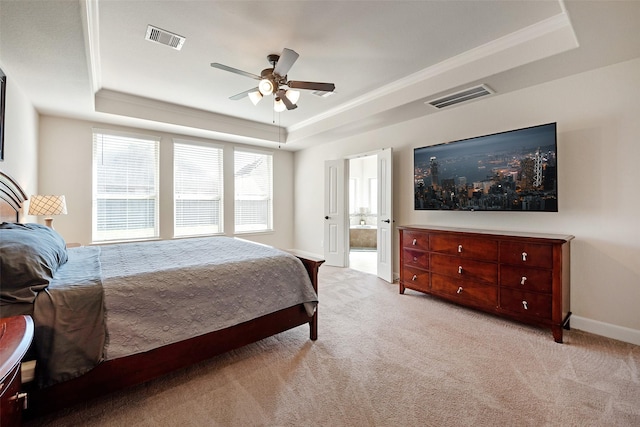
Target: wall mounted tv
x=508, y=171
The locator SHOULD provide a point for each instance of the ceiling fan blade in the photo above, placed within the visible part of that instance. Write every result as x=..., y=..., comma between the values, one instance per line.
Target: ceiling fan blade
x=282, y=95
x=286, y=61
x=325, y=87
x=235, y=70
x=243, y=94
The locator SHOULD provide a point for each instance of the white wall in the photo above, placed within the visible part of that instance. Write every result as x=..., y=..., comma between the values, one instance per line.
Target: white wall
x=65, y=168
x=598, y=116
x=20, y=138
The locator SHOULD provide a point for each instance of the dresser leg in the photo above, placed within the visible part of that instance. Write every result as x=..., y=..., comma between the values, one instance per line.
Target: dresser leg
x=401, y=289
x=557, y=333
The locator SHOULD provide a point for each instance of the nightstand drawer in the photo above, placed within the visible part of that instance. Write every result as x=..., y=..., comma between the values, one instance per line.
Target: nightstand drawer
x=16, y=334
x=12, y=405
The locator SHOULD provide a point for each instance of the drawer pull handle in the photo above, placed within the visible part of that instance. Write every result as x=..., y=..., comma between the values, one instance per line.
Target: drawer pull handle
x=459, y=269
x=524, y=279
x=459, y=248
x=414, y=242
x=459, y=290
x=524, y=304
x=524, y=256
x=415, y=277
x=20, y=397
x=415, y=259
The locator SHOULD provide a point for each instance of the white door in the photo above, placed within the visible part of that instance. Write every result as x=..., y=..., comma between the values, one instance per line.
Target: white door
x=385, y=214
x=335, y=217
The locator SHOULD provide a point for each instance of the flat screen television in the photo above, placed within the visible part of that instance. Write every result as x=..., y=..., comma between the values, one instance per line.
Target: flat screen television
x=508, y=171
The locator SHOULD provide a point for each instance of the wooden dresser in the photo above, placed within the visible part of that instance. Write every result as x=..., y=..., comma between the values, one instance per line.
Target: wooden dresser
x=16, y=334
x=521, y=276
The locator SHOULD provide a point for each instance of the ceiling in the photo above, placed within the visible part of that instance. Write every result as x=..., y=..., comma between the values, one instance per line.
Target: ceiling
x=89, y=59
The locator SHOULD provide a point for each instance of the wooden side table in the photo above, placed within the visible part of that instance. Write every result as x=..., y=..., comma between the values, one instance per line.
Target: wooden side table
x=16, y=334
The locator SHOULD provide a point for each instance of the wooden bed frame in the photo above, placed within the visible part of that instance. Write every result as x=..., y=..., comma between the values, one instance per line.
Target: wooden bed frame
x=127, y=371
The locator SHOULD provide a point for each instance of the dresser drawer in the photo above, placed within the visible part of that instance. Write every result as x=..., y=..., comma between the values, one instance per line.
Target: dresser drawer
x=465, y=291
x=415, y=278
x=526, y=303
x=461, y=268
x=529, y=254
x=415, y=258
x=466, y=247
x=415, y=240
x=526, y=279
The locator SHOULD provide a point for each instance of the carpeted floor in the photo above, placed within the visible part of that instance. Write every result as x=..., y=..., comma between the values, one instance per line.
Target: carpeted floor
x=384, y=359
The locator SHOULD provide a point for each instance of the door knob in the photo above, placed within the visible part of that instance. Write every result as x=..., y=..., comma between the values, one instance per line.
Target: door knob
x=326, y=217
x=386, y=220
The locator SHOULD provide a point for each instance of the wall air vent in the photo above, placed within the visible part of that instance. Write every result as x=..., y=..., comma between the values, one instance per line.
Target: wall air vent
x=164, y=37
x=461, y=96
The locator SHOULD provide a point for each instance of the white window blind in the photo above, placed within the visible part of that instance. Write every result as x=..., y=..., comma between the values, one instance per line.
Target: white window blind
x=253, y=191
x=198, y=189
x=125, y=187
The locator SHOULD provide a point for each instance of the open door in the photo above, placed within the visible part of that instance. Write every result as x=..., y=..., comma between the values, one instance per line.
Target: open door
x=335, y=215
x=385, y=214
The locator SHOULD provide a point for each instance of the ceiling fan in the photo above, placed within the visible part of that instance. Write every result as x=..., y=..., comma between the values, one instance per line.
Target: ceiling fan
x=274, y=81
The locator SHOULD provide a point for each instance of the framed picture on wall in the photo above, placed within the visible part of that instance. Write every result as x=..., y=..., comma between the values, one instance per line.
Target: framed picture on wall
x=3, y=88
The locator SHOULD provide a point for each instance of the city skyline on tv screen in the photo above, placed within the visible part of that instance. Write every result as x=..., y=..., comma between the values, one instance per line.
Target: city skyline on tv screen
x=509, y=171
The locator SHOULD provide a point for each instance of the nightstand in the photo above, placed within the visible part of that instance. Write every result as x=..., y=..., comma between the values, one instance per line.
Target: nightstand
x=73, y=245
x=16, y=334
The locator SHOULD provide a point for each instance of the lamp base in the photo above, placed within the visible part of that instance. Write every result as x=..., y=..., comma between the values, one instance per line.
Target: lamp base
x=48, y=222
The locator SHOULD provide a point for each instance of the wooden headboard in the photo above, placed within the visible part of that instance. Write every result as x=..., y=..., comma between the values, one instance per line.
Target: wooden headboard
x=12, y=196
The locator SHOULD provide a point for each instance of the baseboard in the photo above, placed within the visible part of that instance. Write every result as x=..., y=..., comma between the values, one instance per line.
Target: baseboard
x=608, y=330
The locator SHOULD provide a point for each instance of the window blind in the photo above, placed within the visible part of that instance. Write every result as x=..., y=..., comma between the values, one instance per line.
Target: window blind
x=198, y=189
x=125, y=187
x=253, y=204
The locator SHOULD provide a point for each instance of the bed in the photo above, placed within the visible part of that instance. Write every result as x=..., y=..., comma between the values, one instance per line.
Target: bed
x=143, y=309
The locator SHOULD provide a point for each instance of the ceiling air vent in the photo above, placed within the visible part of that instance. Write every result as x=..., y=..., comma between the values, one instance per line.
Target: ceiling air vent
x=322, y=93
x=164, y=37
x=461, y=96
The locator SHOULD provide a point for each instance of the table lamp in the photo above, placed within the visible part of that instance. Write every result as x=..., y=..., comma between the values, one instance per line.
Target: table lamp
x=47, y=205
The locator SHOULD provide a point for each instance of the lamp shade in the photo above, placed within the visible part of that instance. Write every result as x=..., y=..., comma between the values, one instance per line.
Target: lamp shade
x=292, y=95
x=47, y=205
x=255, y=97
x=279, y=106
x=266, y=87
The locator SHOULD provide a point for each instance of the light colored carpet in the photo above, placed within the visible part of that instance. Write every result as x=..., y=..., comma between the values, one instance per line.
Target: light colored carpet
x=384, y=359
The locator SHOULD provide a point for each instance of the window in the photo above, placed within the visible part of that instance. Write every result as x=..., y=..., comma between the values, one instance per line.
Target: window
x=253, y=191
x=125, y=187
x=373, y=195
x=353, y=195
x=197, y=189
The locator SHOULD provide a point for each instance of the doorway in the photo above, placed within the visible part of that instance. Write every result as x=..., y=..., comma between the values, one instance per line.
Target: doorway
x=363, y=213
x=373, y=210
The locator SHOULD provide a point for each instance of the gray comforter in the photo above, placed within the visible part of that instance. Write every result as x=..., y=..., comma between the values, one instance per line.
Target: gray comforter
x=157, y=293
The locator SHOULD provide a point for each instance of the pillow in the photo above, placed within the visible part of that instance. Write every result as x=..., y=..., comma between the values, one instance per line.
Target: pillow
x=29, y=256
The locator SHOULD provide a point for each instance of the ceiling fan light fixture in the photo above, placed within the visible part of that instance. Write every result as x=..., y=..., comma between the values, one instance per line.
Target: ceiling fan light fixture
x=266, y=87
x=278, y=105
x=255, y=97
x=292, y=95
